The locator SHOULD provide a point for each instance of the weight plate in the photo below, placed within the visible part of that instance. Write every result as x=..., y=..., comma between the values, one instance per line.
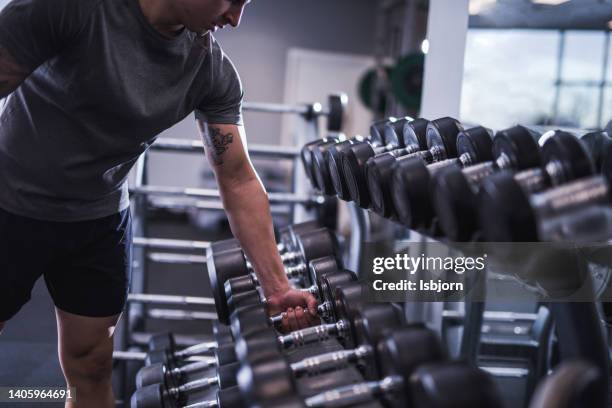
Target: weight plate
x=565, y=149
x=407, y=80
x=336, y=104
x=442, y=133
x=520, y=145
x=477, y=142
x=505, y=214
x=415, y=133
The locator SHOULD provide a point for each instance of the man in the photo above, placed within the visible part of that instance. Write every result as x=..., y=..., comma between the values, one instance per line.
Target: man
x=89, y=84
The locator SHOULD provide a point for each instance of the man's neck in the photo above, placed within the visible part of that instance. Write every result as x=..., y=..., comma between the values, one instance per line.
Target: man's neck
x=161, y=16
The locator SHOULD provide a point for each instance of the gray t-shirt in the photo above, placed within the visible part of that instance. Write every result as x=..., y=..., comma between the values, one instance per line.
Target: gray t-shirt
x=104, y=84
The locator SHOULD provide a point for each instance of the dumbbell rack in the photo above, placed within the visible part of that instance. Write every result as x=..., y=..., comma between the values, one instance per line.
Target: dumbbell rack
x=298, y=200
x=572, y=319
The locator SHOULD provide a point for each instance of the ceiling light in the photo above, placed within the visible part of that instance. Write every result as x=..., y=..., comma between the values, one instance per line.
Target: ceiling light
x=425, y=46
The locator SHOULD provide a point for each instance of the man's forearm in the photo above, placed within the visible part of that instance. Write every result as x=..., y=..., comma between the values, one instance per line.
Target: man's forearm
x=248, y=211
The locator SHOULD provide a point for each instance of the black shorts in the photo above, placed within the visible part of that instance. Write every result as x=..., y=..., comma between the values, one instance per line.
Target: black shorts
x=86, y=264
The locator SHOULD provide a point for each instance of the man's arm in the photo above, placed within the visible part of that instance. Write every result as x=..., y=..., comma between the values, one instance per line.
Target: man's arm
x=11, y=74
x=248, y=210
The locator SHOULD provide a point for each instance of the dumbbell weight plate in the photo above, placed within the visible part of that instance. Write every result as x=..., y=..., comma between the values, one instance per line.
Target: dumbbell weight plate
x=520, y=145
x=566, y=149
x=336, y=103
x=453, y=385
x=477, y=143
x=306, y=156
x=395, y=359
x=222, y=266
x=443, y=132
x=504, y=210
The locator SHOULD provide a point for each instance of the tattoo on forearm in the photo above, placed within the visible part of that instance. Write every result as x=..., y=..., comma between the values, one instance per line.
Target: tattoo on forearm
x=217, y=143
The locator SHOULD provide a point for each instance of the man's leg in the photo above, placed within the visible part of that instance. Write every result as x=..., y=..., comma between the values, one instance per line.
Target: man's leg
x=85, y=352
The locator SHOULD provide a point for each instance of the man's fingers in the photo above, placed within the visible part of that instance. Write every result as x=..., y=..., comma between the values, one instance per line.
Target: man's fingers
x=311, y=302
x=300, y=316
x=285, y=323
x=293, y=324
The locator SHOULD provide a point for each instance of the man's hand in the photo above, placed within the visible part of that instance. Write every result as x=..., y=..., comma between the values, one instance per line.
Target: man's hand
x=299, y=309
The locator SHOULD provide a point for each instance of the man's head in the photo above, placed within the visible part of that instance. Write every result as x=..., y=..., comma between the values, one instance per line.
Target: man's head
x=202, y=16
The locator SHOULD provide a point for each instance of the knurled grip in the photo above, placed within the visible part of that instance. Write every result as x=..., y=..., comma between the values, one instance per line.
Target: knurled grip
x=310, y=335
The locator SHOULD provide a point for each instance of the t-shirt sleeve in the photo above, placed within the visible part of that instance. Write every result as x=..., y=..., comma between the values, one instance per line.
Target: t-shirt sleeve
x=33, y=31
x=223, y=103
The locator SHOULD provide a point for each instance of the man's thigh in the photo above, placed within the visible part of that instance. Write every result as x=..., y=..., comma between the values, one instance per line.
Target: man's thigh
x=91, y=276
x=24, y=256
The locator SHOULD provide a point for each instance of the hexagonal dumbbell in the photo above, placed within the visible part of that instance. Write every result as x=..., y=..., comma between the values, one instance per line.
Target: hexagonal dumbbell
x=250, y=304
x=232, y=263
x=410, y=177
x=394, y=358
x=507, y=212
x=176, y=394
x=454, y=190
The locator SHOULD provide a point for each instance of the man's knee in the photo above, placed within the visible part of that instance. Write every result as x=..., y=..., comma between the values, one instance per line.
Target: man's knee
x=92, y=365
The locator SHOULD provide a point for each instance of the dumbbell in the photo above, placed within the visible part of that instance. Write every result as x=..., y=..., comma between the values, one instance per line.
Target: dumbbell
x=251, y=313
x=454, y=190
x=171, y=395
x=399, y=355
x=453, y=385
x=378, y=169
x=333, y=157
x=319, y=168
x=251, y=333
x=306, y=156
x=331, y=165
x=410, y=175
x=288, y=237
x=395, y=139
x=375, y=321
x=380, y=140
x=231, y=263
x=507, y=212
x=229, y=397
x=316, y=268
x=172, y=356
x=243, y=289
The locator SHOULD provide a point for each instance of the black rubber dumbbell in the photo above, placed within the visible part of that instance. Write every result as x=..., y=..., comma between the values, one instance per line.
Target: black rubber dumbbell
x=399, y=141
x=288, y=238
x=400, y=354
x=251, y=311
x=242, y=290
x=410, y=176
x=453, y=385
x=173, y=356
x=306, y=155
x=505, y=210
x=171, y=395
x=251, y=334
x=309, y=280
x=331, y=161
x=232, y=263
x=321, y=172
x=379, y=169
x=454, y=190
x=225, y=398
x=333, y=157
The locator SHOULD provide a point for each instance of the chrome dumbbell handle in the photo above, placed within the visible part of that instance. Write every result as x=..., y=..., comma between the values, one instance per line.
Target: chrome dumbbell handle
x=355, y=394
x=314, y=334
x=330, y=361
x=194, y=385
x=197, y=349
x=193, y=367
x=324, y=310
